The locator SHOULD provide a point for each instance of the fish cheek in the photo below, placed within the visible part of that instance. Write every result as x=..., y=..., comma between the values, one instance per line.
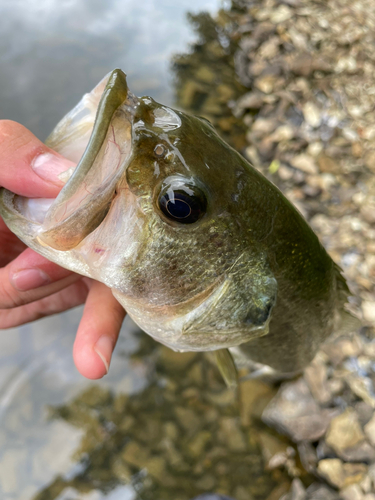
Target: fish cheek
x=240, y=310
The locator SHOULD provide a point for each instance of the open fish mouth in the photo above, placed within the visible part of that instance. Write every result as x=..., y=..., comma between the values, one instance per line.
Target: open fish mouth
x=62, y=223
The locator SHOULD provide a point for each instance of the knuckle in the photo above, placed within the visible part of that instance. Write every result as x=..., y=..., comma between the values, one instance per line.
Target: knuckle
x=8, y=296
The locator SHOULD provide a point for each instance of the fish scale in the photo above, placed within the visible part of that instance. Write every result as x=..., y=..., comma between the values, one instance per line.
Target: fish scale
x=242, y=271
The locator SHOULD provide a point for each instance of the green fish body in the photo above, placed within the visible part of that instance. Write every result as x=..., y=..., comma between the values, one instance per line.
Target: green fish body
x=202, y=251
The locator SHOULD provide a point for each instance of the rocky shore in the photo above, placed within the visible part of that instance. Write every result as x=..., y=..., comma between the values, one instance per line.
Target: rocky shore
x=302, y=110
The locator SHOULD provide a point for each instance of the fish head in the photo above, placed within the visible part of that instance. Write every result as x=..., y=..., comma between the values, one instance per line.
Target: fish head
x=157, y=210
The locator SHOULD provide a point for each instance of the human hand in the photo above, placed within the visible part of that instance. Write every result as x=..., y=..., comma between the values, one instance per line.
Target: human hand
x=32, y=287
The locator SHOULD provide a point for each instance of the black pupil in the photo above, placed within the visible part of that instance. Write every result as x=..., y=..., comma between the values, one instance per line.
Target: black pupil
x=178, y=208
x=181, y=206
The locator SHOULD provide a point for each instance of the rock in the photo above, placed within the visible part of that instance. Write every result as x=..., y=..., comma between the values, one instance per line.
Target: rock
x=364, y=412
x=344, y=432
x=255, y=395
x=365, y=484
x=274, y=450
x=354, y=473
x=283, y=133
x=293, y=411
x=368, y=309
x=305, y=163
x=370, y=430
x=231, y=434
x=341, y=474
x=312, y=114
x=266, y=83
x=212, y=496
x=333, y=471
x=321, y=492
x=205, y=74
x=352, y=492
x=316, y=375
x=243, y=493
x=298, y=491
x=281, y=14
x=285, y=173
x=198, y=443
x=278, y=492
x=362, y=452
x=134, y=454
x=362, y=387
x=308, y=457
x=156, y=467
x=264, y=126
x=370, y=161
x=328, y=164
x=251, y=100
x=207, y=482
x=188, y=419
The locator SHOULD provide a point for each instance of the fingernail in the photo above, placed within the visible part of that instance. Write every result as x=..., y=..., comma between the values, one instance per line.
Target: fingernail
x=28, y=279
x=104, y=349
x=49, y=167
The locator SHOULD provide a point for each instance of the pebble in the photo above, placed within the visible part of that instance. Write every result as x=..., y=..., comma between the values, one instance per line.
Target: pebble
x=368, y=309
x=305, y=163
x=369, y=429
x=352, y=492
x=332, y=470
x=281, y=14
x=312, y=114
x=344, y=431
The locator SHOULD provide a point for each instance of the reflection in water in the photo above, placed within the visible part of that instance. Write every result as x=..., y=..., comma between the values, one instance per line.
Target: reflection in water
x=182, y=435
x=52, y=52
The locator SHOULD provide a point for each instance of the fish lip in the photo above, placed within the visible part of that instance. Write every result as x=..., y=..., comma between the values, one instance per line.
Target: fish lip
x=85, y=199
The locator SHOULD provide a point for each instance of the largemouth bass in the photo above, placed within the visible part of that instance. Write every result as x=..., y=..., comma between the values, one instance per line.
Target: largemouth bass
x=202, y=251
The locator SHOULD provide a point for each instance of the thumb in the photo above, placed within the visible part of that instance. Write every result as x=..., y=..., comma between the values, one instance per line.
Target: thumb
x=27, y=166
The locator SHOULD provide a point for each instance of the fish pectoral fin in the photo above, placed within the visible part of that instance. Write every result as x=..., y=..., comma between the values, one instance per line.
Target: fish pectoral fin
x=227, y=367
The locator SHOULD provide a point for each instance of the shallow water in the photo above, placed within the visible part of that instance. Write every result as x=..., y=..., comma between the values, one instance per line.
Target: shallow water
x=52, y=52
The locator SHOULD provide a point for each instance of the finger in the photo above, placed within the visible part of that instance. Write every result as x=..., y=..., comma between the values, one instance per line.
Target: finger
x=31, y=277
x=98, y=332
x=28, y=261
x=27, y=166
x=71, y=296
x=10, y=245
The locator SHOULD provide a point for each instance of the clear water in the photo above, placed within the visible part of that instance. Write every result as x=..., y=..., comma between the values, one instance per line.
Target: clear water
x=53, y=51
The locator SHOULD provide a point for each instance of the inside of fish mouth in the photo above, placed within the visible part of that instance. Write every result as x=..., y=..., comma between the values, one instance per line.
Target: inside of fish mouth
x=84, y=219
x=89, y=190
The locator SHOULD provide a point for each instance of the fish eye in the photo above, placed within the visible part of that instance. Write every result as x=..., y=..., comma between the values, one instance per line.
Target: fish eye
x=160, y=150
x=184, y=204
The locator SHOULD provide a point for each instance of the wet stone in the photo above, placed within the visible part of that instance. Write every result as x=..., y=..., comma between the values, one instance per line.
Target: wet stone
x=316, y=375
x=352, y=492
x=294, y=412
x=333, y=471
x=344, y=432
x=305, y=163
x=254, y=396
x=369, y=429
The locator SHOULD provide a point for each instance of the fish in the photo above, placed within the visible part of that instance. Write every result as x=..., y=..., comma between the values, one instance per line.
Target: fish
x=202, y=250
